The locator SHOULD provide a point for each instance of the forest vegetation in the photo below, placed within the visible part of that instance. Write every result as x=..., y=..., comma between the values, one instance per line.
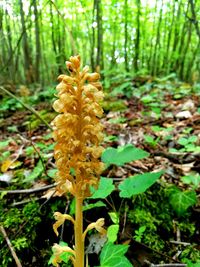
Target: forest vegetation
x=132, y=116
x=156, y=37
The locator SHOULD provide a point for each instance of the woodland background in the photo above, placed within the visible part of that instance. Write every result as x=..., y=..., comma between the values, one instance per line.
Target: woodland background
x=148, y=55
x=150, y=37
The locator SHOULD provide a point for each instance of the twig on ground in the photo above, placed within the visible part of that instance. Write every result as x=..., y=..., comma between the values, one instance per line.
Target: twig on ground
x=169, y=265
x=180, y=243
x=26, y=106
x=29, y=191
x=10, y=246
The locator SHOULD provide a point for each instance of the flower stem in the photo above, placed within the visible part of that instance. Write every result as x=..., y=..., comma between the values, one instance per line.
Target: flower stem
x=79, y=242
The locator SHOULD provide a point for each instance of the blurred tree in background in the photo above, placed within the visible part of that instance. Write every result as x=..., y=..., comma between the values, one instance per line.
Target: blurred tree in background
x=156, y=37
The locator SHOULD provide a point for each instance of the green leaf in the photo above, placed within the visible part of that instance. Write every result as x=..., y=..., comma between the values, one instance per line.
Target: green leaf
x=105, y=188
x=183, y=141
x=37, y=171
x=114, y=217
x=113, y=256
x=52, y=172
x=94, y=205
x=137, y=184
x=191, y=179
x=181, y=200
x=5, y=143
x=112, y=232
x=123, y=154
x=192, y=139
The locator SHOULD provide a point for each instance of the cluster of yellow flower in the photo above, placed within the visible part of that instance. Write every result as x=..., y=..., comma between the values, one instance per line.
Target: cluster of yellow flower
x=77, y=129
x=78, y=134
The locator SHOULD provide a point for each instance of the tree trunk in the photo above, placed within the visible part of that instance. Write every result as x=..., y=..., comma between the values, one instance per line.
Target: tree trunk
x=137, y=39
x=99, y=59
x=37, y=43
x=182, y=42
x=156, y=57
x=27, y=58
x=152, y=38
x=126, y=35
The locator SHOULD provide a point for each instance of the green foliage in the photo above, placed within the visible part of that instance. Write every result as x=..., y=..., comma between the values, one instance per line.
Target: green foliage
x=188, y=144
x=37, y=171
x=20, y=243
x=114, y=217
x=139, y=233
x=111, y=138
x=13, y=220
x=138, y=184
x=116, y=105
x=105, y=188
x=123, y=154
x=181, y=200
x=97, y=204
x=151, y=140
x=113, y=256
x=192, y=179
x=9, y=104
x=117, y=120
x=191, y=256
x=113, y=229
x=112, y=232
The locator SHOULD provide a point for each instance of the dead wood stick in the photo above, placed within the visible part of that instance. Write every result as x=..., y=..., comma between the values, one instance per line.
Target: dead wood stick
x=180, y=243
x=169, y=265
x=26, y=106
x=10, y=246
x=28, y=191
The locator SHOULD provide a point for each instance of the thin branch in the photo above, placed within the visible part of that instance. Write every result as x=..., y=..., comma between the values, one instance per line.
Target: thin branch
x=180, y=243
x=28, y=191
x=26, y=106
x=10, y=246
x=169, y=265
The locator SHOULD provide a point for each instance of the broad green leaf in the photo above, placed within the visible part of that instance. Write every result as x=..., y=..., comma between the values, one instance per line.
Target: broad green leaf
x=113, y=256
x=183, y=141
x=191, y=179
x=123, y=154
x=112, y=232
x=94, y=205
x=181, y=200
x=105, y=188
x=137, y=184
x=37, y=171
x=192, y=139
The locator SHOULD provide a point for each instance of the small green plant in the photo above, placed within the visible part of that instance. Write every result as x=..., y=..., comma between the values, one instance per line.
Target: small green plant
x=181, y=200
x=152, y=141
x=188, y=144
x=193, y=180
x=139, y=233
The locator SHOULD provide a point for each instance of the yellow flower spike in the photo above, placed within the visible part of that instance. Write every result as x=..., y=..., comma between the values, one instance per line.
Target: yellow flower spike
x=60, y=218
x=78, y=135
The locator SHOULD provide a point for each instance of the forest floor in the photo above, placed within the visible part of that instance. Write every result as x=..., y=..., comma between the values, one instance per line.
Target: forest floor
x=160, y=116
